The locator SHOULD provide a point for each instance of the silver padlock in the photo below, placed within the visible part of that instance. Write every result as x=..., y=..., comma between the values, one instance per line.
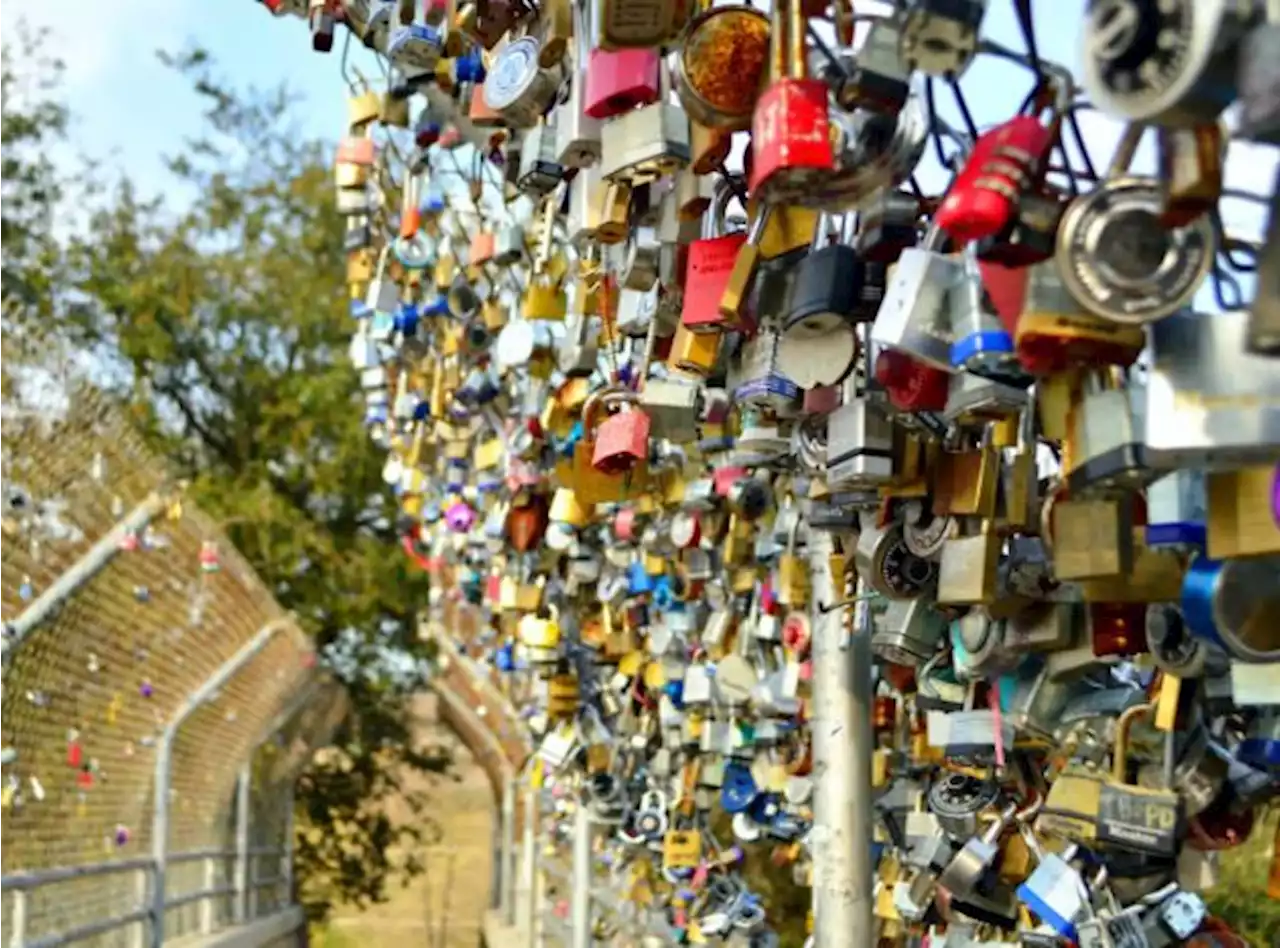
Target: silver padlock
x=672, y=407
x=517, y=87
x=1187, y=78
x=648, y=142
x=940, y=37
x=859, y=445
x=915, y=316
x=1209, y=403
x=540, y=169
x=508, y=245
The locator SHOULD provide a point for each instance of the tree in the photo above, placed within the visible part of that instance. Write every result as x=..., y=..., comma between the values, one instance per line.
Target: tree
x=223, y=327
x=30, y=122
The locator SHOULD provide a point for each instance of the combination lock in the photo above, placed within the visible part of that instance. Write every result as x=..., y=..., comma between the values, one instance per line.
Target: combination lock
x=1119, y=262
x=1165, y=62
x=890, y=568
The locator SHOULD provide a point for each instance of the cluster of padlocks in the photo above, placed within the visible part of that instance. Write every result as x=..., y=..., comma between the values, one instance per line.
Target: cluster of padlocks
x=687, y=464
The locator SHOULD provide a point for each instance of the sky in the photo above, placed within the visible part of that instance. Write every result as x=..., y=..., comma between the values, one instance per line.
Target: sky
x=129, y=111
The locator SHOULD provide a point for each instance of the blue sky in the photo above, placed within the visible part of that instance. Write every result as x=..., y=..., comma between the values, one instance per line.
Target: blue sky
x=129, y=110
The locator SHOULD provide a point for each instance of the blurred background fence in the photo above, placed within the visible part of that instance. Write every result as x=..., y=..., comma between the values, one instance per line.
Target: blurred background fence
x=144, y=663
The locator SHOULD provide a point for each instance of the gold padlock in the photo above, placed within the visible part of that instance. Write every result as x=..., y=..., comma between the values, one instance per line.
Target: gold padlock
x=1239, y=518
x=362, y=108
x=544, y=299
x=681, y=849
x=694, y=352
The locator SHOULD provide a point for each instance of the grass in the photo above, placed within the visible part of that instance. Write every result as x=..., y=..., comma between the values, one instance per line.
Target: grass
x=1240, y=898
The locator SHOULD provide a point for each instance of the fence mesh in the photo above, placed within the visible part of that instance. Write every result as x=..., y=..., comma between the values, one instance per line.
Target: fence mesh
x=87, y=693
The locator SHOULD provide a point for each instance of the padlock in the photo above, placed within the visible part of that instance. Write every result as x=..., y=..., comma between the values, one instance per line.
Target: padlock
x=517, y=87
x=790, y=144
x=1104, y=453
x=1262, y=333
x=887, y=226
x=915, y=315
x=758, y=381
x=1231, y=605
x=711, y=261
x=590, y=484
x=1005, y=161
x=1186, y=79
x=1055, y=333
x=1191, y=170
x=544, y=299
x=695, y=352
x=1116, y=256
x=363, y=107
x=859, y=452
x=967, y=568
x=1209, y=403
x=624, y=26
x=1089, y=539
x=540, y=171
x=720, y=65
x=620, y=80
x=940, y=37
x=649, y=142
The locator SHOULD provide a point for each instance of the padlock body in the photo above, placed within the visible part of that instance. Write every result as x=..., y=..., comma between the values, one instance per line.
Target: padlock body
x=790, y=139
x=622, y=440
x=710, y=264
x=646, y=144
x=618, y=81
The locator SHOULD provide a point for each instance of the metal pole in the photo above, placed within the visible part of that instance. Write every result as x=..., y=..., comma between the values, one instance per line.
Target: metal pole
x=286, y=858
x=164, y=761
x=581, y=873
x=47, y=604
x=207, y=904
x=506, y=874
x=842, y=872
x=529, y=865
x=18, y=919
x=244, y=787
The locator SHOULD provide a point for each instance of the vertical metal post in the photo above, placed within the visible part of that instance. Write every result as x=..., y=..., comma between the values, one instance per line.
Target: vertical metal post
x=286, y=855
x=17, y=919
x=581, y=875
x=529, y=865
x=842, y=872
x=209, y=902
x=139, y=933
x=240, y=882
x=506, y=873
x=160, y=834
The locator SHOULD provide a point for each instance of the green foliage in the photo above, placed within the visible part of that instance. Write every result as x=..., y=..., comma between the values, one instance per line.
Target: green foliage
x=30, y=123
x=1240, y=898
x=223, y=326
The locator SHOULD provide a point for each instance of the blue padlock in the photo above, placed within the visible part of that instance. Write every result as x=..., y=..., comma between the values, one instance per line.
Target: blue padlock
x=738, y=789
x=469, y=67
x=406, y=319
x=504, y=658
x=639, y=582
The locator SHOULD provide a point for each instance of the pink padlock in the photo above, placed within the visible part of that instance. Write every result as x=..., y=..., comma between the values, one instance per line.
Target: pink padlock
x=620, y=80
x=1275, y=496
x=460, y=517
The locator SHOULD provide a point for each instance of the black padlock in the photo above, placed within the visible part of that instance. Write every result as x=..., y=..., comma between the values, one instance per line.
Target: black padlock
x=1030, y=237
x=888, y=227
x=826, y=287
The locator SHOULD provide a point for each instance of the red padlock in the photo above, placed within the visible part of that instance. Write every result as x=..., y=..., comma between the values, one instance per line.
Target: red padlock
x=1005, y=162
x=790, y=131
x=710, y=264
x=910, y=384
x=356, y=150
x=622, y=439
x=620, y=80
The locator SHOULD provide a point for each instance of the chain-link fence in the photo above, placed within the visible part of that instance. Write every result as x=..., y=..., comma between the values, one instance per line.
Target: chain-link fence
x=145, y=662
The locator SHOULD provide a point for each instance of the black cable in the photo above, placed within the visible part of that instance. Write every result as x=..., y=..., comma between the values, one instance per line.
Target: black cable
x=1222, y=283
x=1077, y=136
x=932, y=108
x=1026, y=22
x=963, y=106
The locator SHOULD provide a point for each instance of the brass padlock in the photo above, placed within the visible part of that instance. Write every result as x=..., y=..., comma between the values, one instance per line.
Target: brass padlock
x=1241, y=516
x=1088, y=539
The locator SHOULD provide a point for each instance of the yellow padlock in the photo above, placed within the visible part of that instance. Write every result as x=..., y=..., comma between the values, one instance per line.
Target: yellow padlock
x=544, y=299
x=681, y=849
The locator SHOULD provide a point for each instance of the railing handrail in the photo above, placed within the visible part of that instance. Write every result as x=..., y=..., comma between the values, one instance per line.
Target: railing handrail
x=26, y=881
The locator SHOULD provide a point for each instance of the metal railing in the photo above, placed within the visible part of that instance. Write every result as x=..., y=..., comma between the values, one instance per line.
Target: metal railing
x=158, y=704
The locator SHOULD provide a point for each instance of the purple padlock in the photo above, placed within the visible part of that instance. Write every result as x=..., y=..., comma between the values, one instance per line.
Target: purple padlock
x=1275, y=496
x=460, y=517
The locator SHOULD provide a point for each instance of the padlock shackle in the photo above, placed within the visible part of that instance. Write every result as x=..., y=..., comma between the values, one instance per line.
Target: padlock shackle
x=1120, y=754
